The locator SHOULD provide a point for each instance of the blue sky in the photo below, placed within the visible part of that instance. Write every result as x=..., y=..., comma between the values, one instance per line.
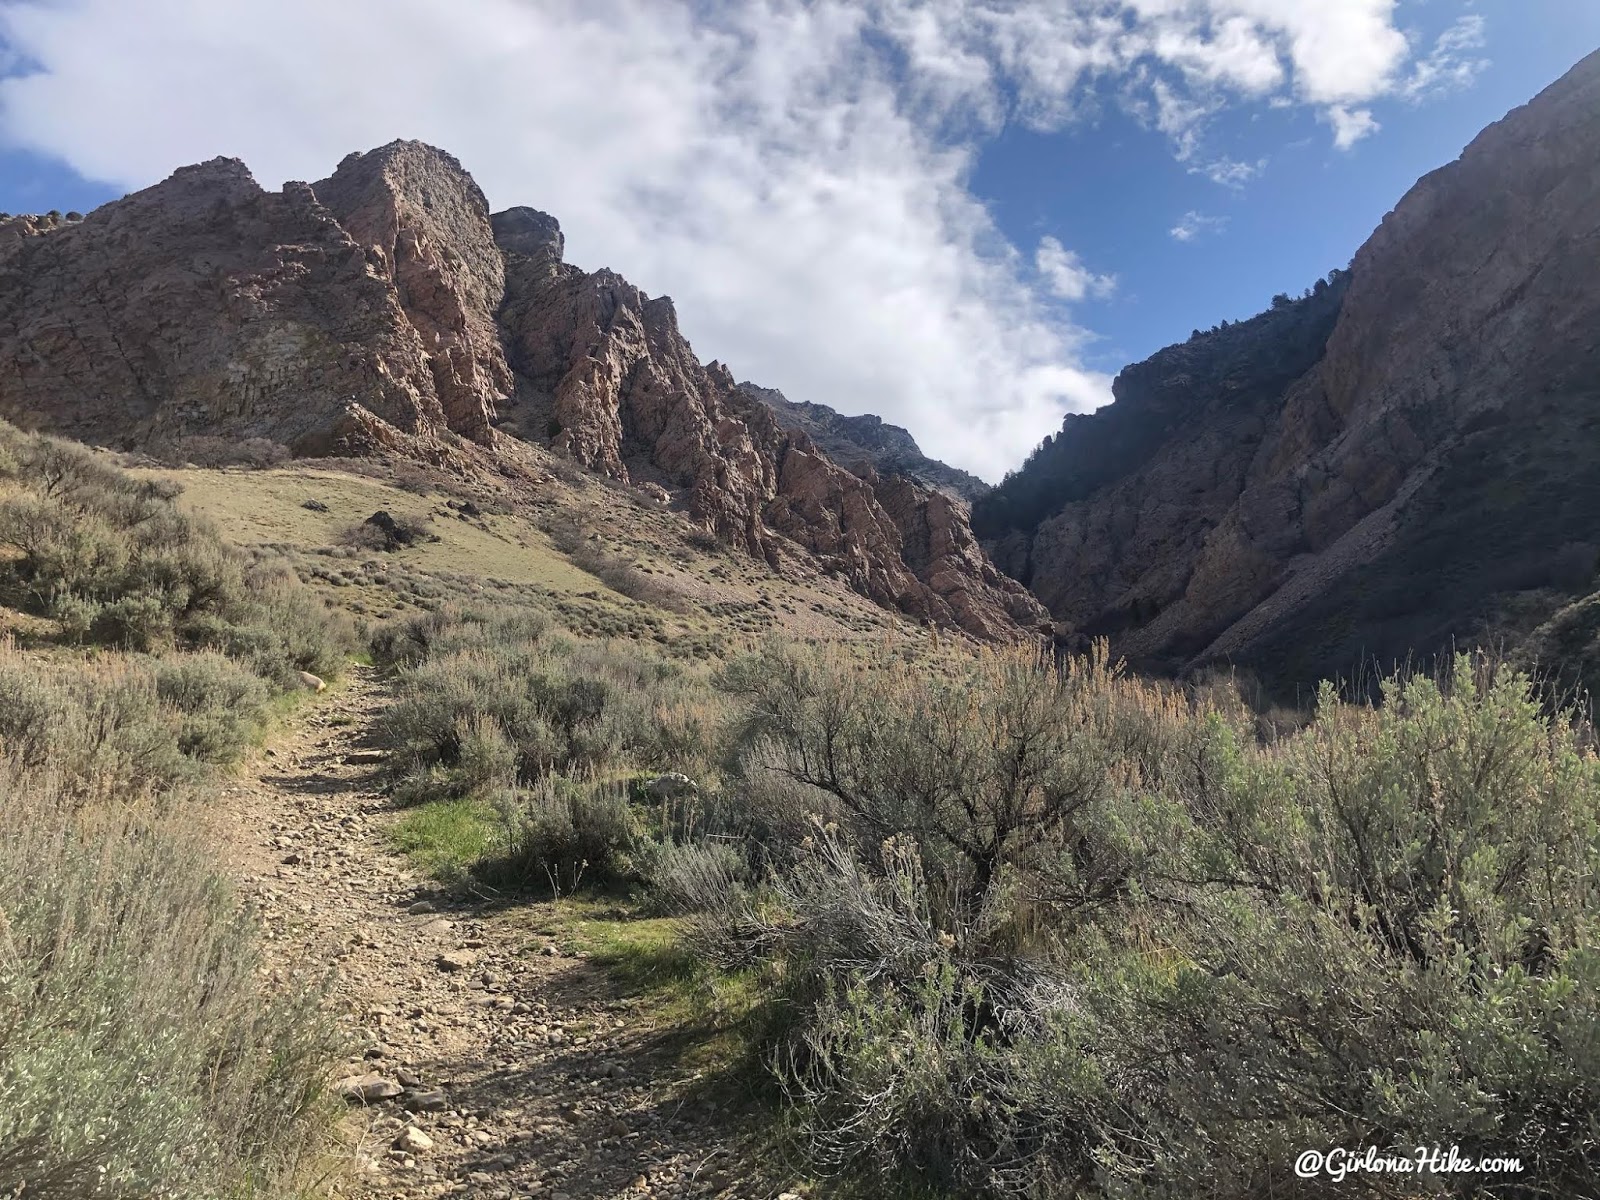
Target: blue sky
x=1116, y=190
x=960, y=214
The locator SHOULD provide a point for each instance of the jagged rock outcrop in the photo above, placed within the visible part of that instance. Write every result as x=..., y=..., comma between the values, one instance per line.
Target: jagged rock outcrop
x=207, y=305
x=867, y=440
x=384, y=309
x=619, y=388
x=1424, y=477
x=424, y=226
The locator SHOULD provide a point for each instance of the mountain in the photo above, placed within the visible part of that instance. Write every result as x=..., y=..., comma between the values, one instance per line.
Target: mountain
x=1405, y=458
x=385, y=310
x=850, y=441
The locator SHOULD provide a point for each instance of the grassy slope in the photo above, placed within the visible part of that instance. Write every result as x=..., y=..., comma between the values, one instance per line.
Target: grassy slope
x=723, y=599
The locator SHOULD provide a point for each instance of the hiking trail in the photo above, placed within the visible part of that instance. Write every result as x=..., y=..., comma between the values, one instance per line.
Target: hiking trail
x=524, y=1073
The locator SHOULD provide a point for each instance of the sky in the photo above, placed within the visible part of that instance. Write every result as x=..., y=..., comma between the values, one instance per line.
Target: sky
x=963, y=215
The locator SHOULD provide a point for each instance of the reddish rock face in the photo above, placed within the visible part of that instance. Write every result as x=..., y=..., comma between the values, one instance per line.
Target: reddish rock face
x=424, y=227
x=205, y=305
x=625, y=393
x=384, y=310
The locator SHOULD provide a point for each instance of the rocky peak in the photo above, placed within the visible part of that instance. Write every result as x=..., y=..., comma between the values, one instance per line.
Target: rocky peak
x=527, y=233
x=424, y=225
x=383, y=309
x=626, y=395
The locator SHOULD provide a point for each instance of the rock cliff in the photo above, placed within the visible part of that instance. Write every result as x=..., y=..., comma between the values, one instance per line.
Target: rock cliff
x=385, y=310
x=613, y=382
x=1405, y=459
x=206, y=305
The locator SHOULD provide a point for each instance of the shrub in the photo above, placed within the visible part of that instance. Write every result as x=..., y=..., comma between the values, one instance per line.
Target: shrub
x=207, y=451
x=1193, y=960
x=546, y=704
x=385, y=531
x=221, y=705
x=140, y=1053
x=693, y=877
x=101, y=731
x=114, y=561
x=563, y=834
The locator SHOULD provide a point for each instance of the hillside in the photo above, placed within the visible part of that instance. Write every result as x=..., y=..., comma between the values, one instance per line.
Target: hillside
x=385, y=313
x=1401, y=461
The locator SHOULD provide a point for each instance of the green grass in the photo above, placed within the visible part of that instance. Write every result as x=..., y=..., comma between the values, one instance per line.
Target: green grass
x=446, y=837
x=708, y=1013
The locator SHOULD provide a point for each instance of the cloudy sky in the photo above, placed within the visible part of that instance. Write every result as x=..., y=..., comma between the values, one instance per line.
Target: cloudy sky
x=964, y=215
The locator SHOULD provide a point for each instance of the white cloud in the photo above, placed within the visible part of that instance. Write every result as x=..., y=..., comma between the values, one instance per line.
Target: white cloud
x=1194, y=224
x=1066, y=276
x=1230, y=172
x=1452, y=65
x=793, y=172
x=1350, y=125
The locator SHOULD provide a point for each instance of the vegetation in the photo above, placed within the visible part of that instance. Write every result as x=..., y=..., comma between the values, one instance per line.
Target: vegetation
x=986, y=923
x=1009, y=927
x=1087, y=933
x=541, y=734
x=114, y=562
x=142, y=1053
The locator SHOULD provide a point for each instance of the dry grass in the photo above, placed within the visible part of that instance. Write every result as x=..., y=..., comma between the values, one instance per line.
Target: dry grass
x=581, y=552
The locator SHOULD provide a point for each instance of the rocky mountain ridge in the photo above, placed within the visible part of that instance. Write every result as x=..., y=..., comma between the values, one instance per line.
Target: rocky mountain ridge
x=385, y=310
x=851, y=441
x=1407, y=459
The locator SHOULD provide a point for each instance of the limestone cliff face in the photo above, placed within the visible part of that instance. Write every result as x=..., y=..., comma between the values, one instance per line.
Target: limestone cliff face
x=621, y=390
x=1385, y=467
x=383, y=309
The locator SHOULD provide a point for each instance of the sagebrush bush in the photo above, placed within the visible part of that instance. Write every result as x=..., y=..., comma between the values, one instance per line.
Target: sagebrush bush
x=221, y=706
x=490, y=700
x=114, y=561
x=563, y=833
x=140, y=1053
x=100, y=731
x=1053, y=929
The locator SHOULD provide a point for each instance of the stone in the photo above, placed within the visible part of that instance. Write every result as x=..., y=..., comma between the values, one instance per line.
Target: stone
x=365, y=1089
x=620, y=372
x=867, y=439
x=1343, y=479
x=456, y=960
x=383, y=311
x=413, y=1141
x=429, y=1101
x=671, y=785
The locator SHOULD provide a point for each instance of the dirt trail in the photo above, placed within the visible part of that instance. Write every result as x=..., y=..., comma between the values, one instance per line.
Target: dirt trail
x=541, y=1085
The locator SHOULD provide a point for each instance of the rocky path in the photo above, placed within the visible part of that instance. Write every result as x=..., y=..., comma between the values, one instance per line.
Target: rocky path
x=496, y=1063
